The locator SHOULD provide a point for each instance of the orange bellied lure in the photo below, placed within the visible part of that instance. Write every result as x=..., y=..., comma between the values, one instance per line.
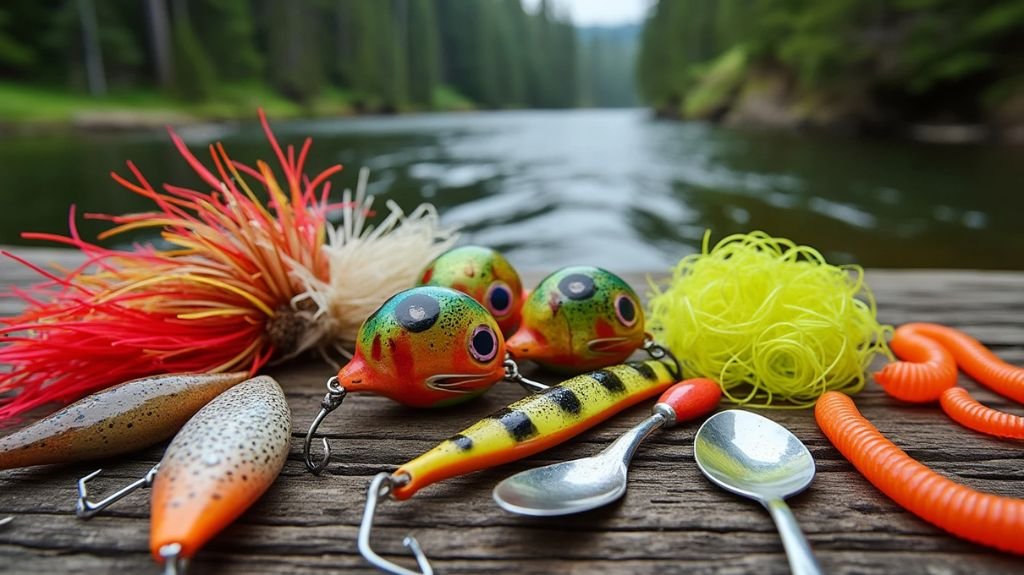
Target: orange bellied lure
x=579, y=318
x=124, y=418
x=217, y=466
x=535, y=423
x=484, y=275
x=425, y=347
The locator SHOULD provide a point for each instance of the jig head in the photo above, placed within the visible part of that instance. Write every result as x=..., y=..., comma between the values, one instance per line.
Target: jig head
x=120, y=419
x=579, y=318
x=484, y=275
x=215, y=468
x=526, y=427
x=425, y=347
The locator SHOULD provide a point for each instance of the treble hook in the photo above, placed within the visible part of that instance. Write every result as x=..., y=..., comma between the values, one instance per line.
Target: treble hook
x=658, y=351
x=335, y=395
x=381, y=487
x=512, y=374
x=86, y=509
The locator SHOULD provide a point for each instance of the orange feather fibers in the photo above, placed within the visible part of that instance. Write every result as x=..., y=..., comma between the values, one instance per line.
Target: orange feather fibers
x=226, y=294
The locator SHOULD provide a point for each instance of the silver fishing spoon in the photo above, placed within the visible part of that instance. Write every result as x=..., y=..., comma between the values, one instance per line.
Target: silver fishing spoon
x=583, y=484
x=755, y=457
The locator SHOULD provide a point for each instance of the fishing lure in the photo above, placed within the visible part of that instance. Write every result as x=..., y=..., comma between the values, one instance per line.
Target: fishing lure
x=928, y=370
x=528, y=426
x=968, y=412
x=425, y=347
x=121, y=419
x=932, y=353
x=579, y=318
x=980, y=517
x=486, y=276
x=215, y=468
x=975, y=359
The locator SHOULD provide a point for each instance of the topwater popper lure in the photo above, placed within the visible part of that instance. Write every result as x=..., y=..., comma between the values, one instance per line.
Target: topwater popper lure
x=215, y=468
x=121, y=419
x=581, y=318
x=425, y=347
x=484, y=275
x=528, y=426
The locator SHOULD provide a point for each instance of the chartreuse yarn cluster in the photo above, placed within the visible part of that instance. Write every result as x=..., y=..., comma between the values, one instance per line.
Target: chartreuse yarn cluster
x=771, y=321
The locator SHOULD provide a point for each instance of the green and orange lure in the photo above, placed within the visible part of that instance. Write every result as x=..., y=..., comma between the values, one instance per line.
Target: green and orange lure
x=425, y=347
x=484, y=275
x=578, y=319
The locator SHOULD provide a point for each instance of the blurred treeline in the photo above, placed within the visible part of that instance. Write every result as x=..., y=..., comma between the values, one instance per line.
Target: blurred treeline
x=858, y=62
x=378, y=55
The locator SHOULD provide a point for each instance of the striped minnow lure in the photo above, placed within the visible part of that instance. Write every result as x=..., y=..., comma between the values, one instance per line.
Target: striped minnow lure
x=215, y=468
x=121, y=419
x=528, y=426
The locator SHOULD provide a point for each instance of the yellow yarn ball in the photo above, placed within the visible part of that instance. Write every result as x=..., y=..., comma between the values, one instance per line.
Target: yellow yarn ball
x=771, y=321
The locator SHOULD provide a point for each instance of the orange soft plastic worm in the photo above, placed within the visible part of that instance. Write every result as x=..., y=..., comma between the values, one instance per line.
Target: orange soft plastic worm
x=928, y=369
x=980, y=517
x=968, y=412
x=975, y=359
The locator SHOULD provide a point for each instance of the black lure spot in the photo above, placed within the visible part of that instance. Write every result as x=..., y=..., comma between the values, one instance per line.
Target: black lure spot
x=418, y=312
x=517, y=423
x=577, y=287
x=644, y=370
x=565, y=399
x=609, y=381
x=462, y=442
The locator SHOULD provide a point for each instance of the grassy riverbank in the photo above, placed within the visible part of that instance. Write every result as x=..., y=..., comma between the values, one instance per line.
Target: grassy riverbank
x=32, y=106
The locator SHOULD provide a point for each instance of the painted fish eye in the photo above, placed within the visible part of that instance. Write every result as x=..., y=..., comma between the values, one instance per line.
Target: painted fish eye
x=499, y=299
x=625, y=310
x=577, y=286
x=483, y=346
x=418, y=312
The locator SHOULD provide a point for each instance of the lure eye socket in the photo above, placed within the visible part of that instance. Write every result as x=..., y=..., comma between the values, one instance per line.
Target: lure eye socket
x=499, y=299
x=483, y=346
x=625, y=310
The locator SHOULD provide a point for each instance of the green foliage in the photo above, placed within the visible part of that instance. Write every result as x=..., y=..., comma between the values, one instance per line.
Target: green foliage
x=194, y=75
x=227, y=29
x=381, y=54
x=14, y=55
x=718, y=83
x=910, y=50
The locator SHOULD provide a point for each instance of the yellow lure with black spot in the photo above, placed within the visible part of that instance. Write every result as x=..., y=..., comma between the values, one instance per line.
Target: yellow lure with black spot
x=536, y=423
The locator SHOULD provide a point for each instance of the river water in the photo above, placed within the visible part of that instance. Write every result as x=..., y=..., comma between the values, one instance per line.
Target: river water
x=613, y=188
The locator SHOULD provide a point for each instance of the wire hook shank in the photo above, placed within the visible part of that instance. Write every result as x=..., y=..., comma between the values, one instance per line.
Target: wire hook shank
x=86, y=509
x=331, y=401
x=380, y=487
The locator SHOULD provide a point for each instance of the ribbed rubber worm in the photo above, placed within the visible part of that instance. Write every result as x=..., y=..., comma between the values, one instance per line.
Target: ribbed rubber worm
x=121, y=419
x=980, y=517
x=214, y=469
x=528, y=426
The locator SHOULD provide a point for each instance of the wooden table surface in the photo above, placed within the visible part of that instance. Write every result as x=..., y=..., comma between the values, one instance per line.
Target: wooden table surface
x=672, y=520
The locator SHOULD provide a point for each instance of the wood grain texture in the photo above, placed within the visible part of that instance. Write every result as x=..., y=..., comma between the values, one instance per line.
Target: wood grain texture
x=670, y=521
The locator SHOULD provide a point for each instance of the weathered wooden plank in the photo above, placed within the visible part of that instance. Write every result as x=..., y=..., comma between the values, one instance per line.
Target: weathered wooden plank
x=671, y=520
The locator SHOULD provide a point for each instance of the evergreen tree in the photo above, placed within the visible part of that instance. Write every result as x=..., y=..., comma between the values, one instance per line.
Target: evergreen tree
x=422, y=52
